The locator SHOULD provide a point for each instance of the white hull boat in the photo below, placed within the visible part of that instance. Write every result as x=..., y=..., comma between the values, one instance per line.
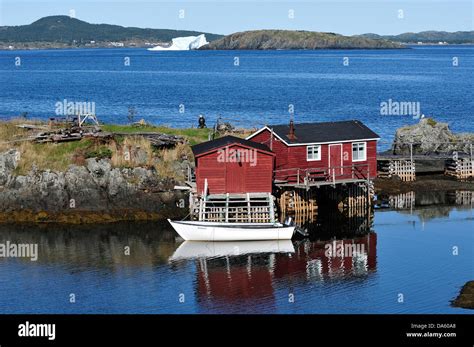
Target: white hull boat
x=215, y=231
x=208, y=249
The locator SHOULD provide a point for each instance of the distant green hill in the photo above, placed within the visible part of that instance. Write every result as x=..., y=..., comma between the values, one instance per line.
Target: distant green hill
x=64, y=29
x=458, y=37
x=290, y=39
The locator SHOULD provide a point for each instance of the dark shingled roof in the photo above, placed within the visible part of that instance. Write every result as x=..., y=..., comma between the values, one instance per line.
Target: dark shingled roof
x=226, y=141
x=325, y=132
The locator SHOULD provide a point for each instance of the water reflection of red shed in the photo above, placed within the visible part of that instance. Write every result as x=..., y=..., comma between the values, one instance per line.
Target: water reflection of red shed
x=234, y=278
x=251, y=277
x=311, y=259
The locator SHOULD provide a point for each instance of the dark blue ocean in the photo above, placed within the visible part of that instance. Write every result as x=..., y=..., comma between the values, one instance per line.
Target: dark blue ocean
x=256, y=90
x=422, y=253
x=414, y=260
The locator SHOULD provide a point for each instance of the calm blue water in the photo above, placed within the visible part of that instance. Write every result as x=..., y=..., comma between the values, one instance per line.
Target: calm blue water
x=407, y=252
x=257, y=91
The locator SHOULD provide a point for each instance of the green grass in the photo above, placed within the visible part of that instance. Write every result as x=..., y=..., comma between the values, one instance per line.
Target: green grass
x=53, y=156
x=193, y=135
x=101, y=152
x=61, y=149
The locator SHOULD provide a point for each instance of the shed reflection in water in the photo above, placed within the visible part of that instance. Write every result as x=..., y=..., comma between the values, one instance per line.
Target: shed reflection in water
x=246, y=272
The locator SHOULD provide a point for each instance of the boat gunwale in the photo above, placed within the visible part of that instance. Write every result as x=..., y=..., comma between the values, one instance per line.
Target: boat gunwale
x=235, y=225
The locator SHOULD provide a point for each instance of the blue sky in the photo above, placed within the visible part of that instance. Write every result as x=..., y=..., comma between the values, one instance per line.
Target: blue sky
x=346, y=17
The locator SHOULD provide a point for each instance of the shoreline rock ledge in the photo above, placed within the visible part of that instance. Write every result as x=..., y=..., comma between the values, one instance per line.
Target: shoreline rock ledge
x=95, y=192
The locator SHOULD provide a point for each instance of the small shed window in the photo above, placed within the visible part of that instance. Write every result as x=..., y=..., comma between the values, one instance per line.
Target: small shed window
x=313, y=153
x=359, y=151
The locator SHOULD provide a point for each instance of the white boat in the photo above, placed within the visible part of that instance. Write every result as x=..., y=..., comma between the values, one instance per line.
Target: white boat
x=193, y=250
x=216, y=231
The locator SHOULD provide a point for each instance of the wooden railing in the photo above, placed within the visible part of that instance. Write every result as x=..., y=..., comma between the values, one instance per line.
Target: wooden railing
x=327, y=174
x=237, y=208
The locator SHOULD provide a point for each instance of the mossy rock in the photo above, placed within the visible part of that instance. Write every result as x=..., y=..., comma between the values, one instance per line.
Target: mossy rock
x=431, y=122
x=465, y=299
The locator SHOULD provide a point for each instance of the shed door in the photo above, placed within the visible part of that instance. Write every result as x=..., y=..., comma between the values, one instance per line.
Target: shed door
x=335, y=160
x=235, y=178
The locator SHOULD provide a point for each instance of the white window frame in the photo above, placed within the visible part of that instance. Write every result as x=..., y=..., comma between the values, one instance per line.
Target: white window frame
x=364, y=151
x=319, y=153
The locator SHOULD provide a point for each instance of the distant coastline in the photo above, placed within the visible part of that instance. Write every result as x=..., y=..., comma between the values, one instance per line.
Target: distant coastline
x=67, y=32
x=63, y=32
x=59, y=47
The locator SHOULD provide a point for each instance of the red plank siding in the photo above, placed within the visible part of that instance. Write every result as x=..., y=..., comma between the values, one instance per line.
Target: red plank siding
x=231, y=177
x=292, y=157
x=277, y=147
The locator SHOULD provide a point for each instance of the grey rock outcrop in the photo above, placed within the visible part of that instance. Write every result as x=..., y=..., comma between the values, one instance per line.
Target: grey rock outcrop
x=94, y=187
x=8, y=163
x=430, y=137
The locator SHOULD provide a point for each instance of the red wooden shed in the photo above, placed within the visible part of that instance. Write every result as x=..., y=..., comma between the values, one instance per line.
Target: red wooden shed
x=233, y=165
x=330, y=151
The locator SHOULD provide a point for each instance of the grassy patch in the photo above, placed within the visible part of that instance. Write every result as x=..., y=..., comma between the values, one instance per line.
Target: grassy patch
x=52, y=156
x=168, y=157
x=193, y=135
x=132, y=151
x=10, y=132
x=101, y=152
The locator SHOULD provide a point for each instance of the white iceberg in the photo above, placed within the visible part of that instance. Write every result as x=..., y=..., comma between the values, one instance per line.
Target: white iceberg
x=183, y=43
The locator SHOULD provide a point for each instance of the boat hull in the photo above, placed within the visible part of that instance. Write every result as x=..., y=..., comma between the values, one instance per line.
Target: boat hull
x=208, y=231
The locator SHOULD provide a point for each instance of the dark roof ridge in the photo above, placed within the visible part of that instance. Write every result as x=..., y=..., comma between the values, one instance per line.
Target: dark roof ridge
x=321, y=132
x=226, y=141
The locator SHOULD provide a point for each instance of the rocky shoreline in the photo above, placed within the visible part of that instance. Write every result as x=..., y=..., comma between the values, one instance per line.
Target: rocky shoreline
x=96, y=186
x=95, y=192
x=426, y=183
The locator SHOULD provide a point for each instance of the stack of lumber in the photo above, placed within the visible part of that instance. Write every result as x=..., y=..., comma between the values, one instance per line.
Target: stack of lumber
x=69, y=134
x=74, y=133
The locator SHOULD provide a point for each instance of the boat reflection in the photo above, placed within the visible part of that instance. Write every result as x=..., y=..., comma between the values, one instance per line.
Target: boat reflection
x=233, y=271
x=194, y=249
